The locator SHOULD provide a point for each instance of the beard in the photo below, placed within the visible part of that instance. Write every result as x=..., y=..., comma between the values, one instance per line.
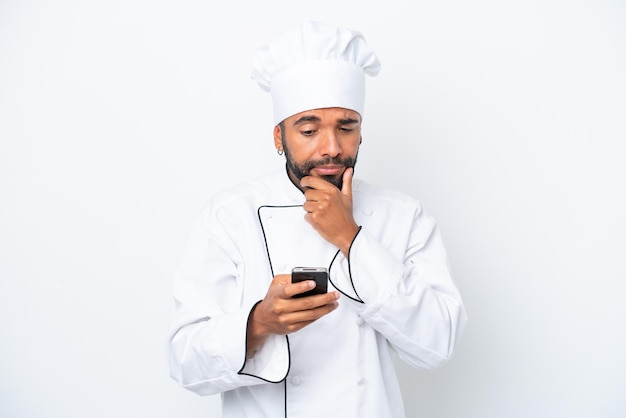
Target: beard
x=302, y=170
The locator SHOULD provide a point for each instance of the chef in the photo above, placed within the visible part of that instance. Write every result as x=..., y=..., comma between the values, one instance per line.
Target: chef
x=237, y=330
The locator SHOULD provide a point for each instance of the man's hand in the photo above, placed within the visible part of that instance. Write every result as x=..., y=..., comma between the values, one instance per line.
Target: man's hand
x=329, y=210
x=279, y=313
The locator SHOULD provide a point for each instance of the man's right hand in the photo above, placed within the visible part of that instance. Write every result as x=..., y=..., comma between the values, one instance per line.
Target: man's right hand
x=279, y=313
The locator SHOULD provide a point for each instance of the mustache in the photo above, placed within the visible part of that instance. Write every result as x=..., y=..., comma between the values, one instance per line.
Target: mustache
x=347, y=162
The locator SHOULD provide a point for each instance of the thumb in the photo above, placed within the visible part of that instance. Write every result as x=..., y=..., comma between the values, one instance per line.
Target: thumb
x=346, y=187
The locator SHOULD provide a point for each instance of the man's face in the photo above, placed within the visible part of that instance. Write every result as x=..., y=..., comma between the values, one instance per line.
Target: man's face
x=320, y=143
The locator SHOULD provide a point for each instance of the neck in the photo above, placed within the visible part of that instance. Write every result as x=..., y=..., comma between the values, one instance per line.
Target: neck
x=294, y=180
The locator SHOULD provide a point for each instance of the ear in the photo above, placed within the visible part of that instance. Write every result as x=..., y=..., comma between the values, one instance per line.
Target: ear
x=278, y=143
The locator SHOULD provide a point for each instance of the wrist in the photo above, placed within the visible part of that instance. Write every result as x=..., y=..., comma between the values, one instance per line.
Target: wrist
x=349, y=239
x=255, y=334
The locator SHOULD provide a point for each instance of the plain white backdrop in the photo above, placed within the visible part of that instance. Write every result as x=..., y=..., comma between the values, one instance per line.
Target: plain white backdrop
x=118, y=119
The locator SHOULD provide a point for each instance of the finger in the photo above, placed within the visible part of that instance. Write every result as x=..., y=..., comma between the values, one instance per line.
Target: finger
x=316, y=183
x=281, y=279
x=346, y=188
x=310, y=308
x=279, y=284
x=299, y=287
x=313, y=313
x=313, y=195
x=317, y=301
x=310, y=207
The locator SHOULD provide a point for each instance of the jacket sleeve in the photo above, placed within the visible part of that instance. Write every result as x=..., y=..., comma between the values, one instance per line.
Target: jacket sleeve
x=206, y=343
x=405, y=291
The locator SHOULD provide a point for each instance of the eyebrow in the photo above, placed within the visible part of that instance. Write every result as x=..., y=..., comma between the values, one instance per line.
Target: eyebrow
x=311, y=118
x=305, y=119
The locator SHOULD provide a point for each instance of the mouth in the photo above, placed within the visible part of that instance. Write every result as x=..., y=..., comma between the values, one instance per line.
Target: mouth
x=328, y=170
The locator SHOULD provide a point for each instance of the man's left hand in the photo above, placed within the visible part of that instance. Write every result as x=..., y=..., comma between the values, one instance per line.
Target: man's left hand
x=329, y=210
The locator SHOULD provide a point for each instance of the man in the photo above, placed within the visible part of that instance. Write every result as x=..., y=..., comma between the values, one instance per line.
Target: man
x=238, y=331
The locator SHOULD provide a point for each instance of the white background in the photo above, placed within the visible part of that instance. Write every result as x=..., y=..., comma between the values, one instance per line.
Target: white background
x=119, y=118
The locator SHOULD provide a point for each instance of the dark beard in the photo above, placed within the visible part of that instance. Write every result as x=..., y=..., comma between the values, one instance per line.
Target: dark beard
x=302, y=170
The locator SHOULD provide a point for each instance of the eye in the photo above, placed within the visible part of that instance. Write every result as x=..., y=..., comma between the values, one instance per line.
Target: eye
x=307, y=132
x=348, y=128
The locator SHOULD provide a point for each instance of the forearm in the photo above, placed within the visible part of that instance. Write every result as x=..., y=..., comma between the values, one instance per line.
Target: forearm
x=255, y=333
x=205, y=355
x=408, y=296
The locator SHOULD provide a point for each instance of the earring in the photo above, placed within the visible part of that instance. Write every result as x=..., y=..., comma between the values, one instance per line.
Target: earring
x=279, y=151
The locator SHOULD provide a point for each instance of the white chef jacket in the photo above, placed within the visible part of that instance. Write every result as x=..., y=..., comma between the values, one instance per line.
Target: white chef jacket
x=398, y=295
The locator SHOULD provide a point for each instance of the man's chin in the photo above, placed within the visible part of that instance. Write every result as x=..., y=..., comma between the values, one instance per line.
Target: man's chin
x=336, y=180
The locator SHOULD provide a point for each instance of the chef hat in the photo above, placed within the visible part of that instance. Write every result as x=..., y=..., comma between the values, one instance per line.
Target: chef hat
x=314, y=66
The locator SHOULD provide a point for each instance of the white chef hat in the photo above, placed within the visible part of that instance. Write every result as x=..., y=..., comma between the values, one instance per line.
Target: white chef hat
x=315, y=65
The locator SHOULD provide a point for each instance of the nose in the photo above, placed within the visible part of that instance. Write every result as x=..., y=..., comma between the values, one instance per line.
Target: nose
x=330, y=145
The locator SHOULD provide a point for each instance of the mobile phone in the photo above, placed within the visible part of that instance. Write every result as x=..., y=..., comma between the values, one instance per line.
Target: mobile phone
x=319, y=274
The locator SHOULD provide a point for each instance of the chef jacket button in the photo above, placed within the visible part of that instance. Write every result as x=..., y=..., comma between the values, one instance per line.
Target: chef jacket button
x=295, y=380
x=368, y=211
x=359, y=321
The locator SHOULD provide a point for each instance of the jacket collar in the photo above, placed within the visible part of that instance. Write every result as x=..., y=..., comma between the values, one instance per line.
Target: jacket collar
x=294, y=195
